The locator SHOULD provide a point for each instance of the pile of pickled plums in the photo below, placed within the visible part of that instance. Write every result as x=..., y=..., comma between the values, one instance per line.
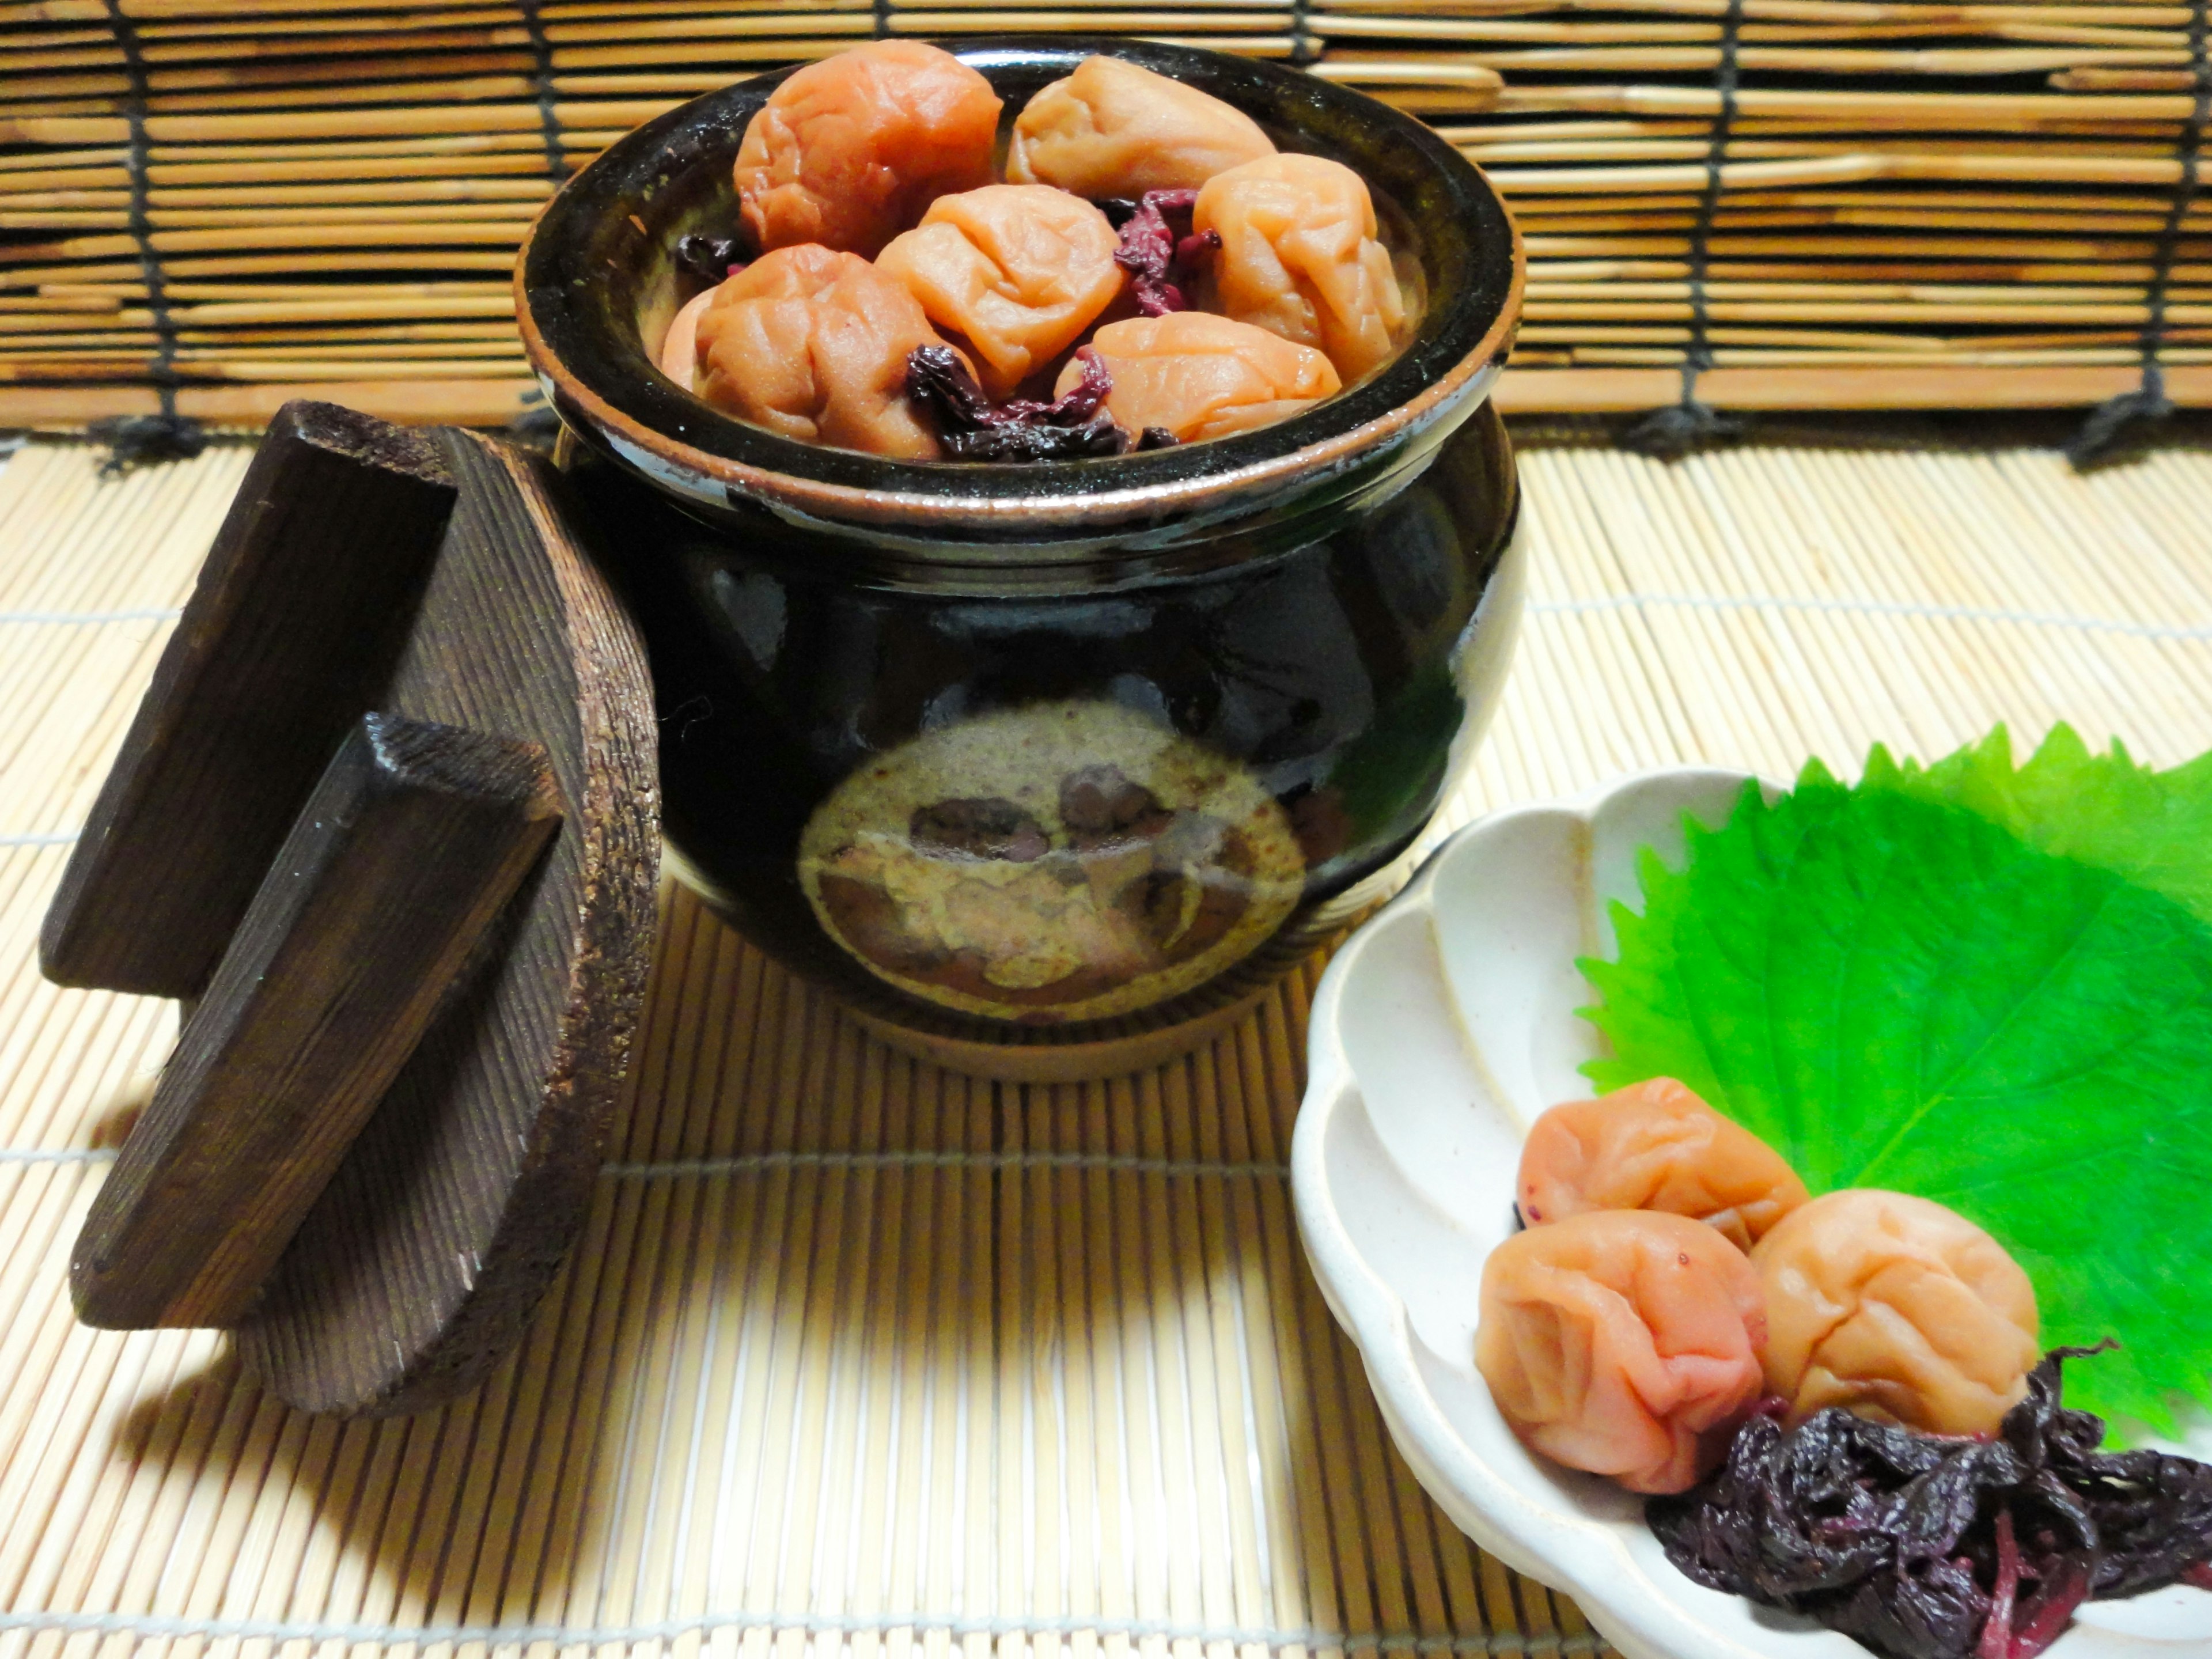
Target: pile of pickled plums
x=1152, y=271
x=1673, y=1267
x=1839, y=1401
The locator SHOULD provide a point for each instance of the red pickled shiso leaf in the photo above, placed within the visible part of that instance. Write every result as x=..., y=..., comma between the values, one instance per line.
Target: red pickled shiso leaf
x=1078, y=404
x=1930, y=1547
x=937, y=380
x=2065, y=1586
x=1159, y=251
x=971, y=428
x=1996, y=1630
x=1193, y=248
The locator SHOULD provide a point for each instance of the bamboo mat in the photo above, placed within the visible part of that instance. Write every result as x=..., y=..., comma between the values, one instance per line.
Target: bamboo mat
x=1775, y=203
x=858, y=1356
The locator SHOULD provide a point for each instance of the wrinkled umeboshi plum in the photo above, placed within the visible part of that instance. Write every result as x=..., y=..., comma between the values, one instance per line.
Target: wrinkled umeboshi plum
x=1623, y=1342
x=812, y=344
x=1116, y=130
x=678, y=357
x=1299, y=258
x=1018, y=271
x=1654, y=1146
x=1895, y=1308
x=1194, y=375
x=850, y=150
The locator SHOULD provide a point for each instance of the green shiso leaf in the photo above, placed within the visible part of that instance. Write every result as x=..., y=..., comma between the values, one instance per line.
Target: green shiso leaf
x=1896, y=991
x=2154, y=828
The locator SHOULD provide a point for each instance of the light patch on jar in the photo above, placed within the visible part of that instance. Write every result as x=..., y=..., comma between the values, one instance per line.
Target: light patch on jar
x=1066, y=860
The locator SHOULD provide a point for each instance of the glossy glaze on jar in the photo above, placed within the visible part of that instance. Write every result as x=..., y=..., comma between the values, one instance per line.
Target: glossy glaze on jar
x=1323, y=677
x=1065, y=759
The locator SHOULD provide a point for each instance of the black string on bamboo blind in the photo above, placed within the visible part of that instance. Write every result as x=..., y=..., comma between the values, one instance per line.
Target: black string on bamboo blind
x=536, y=423
x=1688, y=423
x=167, y=435
x=2148, y=403
x=549, y=111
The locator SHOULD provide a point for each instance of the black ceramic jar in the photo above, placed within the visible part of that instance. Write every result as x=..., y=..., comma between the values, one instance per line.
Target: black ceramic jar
x=1049, y=767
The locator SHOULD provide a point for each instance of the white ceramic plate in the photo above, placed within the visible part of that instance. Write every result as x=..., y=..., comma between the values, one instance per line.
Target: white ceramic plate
x=1440, y=1031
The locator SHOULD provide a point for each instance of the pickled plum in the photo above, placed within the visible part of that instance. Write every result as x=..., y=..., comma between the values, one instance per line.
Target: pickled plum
x=1655, y=1146
x=1299, y=258
x=1018, y=271
x=885, y=153
x=679, y=356
x=1114, y=129
x=1192, y=375
x=813, y=345
x=849, y=151
x=1623, y=1342
x=1898, y=1309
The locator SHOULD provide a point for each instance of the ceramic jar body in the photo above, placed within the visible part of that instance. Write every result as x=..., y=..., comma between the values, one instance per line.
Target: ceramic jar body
x=1063, y=760
x=990, y=800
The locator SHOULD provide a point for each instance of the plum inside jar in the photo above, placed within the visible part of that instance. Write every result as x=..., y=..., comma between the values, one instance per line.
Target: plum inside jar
x=1126, y=197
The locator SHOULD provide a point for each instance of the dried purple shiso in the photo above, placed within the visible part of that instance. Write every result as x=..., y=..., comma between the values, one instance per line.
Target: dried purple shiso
x=1926, y=1547
x=1159, y=251
x=971, y=428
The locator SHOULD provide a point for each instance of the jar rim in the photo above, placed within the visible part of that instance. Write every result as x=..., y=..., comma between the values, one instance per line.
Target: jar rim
x=595, y=370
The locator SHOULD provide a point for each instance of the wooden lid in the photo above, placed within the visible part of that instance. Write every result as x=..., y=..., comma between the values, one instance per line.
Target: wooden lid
x=435, y=580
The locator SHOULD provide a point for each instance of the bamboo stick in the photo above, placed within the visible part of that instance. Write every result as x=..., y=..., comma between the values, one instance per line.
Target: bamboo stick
x=2090, y=79
x=1965, y=18
x=1140, y=23
x=1939, y=23
x=1918, y=149
x=443, y=121
x=2002, y=111
x=172, y=168
x=460, y=91
x=1597, y=391
x=1593, y=355
x=1836, y=277
x=242, y=44
x=218, y=345
x=184, y=290
x=42, y=277
x=1936, y=21
x=1855, y=167
x=1678, y=334
x=1989, y=61
x=502, y=234
x=524, y=194
x=1960, y=295
x=1937, y=252
x=1833, y=343
x=43, y=161
x=1956, y=201
x=479, y=218
x=1887, y=312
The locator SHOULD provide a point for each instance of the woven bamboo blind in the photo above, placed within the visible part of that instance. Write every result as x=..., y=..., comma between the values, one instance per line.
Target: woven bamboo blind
x=858, y=1359
x=1801, y=202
